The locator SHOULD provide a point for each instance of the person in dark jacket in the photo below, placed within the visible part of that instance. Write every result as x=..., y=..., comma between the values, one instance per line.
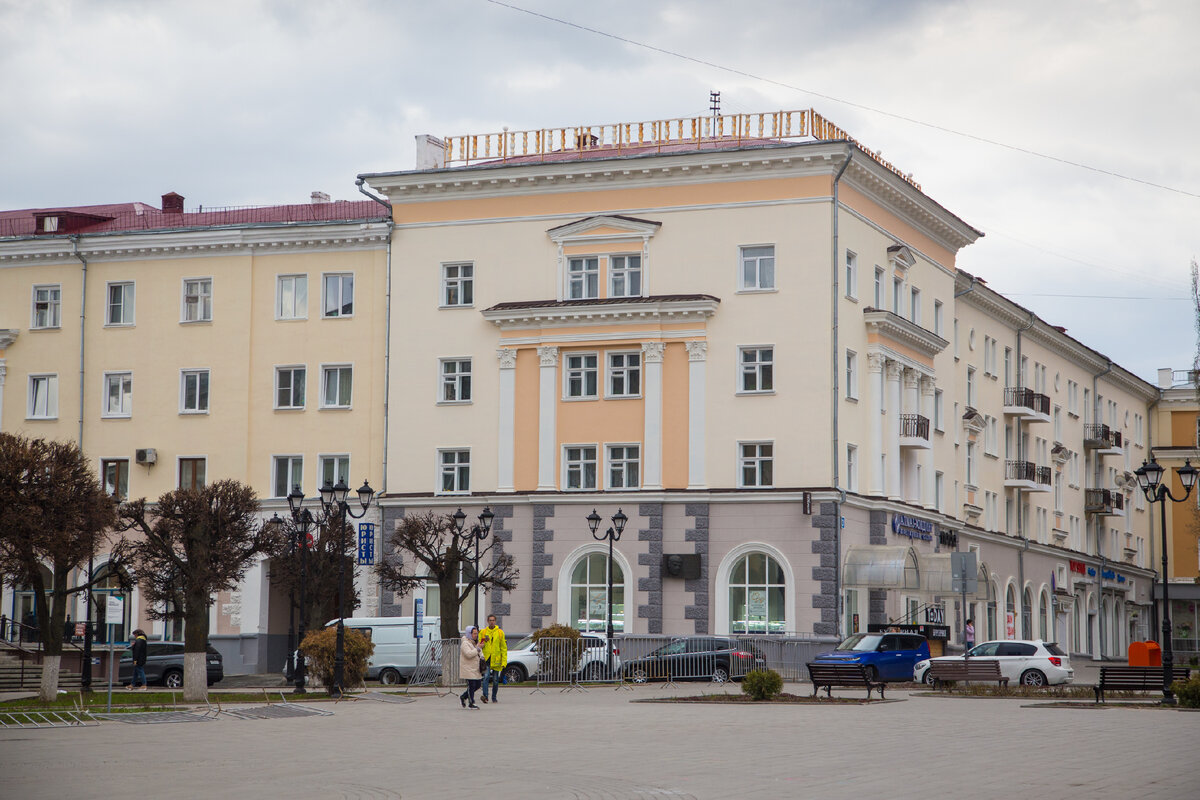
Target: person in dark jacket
x=139, y=661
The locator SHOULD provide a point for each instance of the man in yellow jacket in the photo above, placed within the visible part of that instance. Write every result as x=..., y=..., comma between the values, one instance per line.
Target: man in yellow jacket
x=495, y=653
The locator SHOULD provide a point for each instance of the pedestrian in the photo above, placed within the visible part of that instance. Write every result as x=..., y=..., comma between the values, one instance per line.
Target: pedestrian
x=970, y=633
x=139, y=661
x=495, y=656
x=469, y=655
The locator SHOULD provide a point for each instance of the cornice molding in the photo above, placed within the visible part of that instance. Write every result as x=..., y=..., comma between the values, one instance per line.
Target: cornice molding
x=553, y=315
x=903, y=331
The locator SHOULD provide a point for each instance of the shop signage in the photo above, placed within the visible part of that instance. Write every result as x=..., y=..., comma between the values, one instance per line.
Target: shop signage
x=912, y=527
x=1109, y=574
x=114, y=611
x=1120, y=579
x=1078, y=566
x=1010, y=625
x=947, y=538
x=940, y=632
x=935, y=615
x=1091, y=571
x=366, y=543
x=418, y=618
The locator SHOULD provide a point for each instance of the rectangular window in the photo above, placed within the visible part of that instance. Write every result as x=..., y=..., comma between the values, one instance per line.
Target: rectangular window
x=939, y=491
x=938, y=313
x=339, y=294
x=851, y=375
x=624, y=374
x=456, y=471
x=758, y=369
x=583, y=278
x=582, y=376
x=579, y=466
x=289, y=472
x=956, y=337
x=851, y=275
x=193, y=391
x=192, y=473
x=758, y=267
x=898, y=296
x=120, y=304
x=47, y=307
x=625, y=276
x=43, y=397
x=878, y=300
x=971, y=387
x=332, y=469
x=458, y=284
x=337, y=383
x=197, y=300
x=1058, y=423
x=939, y=411
x=851, y=468
x=118, y=394
x=756, y=462
x=914, y=305
x=987, y=362
x=456, y=380
x=970, y=463
x=289, y=387
x=291, y=297
x=623, y=463
x=116, y=477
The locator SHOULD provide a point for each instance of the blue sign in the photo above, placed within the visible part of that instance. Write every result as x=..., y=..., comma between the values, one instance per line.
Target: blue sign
x=366, y=544
x=1108, y=574
x=1091, y=572
x=912, y=527
x=1120, y=579
x=418, y=619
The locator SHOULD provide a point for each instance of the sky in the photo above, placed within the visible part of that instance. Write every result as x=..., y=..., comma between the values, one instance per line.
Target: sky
x=257, y=102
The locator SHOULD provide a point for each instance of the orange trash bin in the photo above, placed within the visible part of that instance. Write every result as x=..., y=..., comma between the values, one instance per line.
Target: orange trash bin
x=1145, y=654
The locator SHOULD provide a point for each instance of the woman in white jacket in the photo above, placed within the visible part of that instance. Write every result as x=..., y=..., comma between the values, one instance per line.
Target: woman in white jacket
x=469, y=654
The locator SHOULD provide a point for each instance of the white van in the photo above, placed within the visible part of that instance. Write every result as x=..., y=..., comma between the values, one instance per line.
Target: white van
x=395, y=656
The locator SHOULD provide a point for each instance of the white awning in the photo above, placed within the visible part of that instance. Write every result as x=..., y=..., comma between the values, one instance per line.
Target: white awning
x=882, y=567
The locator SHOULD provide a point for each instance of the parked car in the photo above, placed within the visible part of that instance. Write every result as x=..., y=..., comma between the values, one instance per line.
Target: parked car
x=164, y=665
x=523, y=662
x=1029, y=662
x=715, y=658
x=887, y=656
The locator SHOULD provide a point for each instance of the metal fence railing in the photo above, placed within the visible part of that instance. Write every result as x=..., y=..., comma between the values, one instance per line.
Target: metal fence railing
x=437, y=665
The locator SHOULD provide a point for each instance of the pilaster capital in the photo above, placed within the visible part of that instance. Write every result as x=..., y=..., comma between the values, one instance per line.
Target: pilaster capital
x=894, y=370
x=548, y=356
x=652, y=352
x=928, y=386
x=508, y=357
x=697, y=351
x=912, y=378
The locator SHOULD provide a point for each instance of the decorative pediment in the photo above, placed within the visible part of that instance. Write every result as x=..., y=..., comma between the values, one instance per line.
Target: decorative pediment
x=973, y=421
x=901, y=256
x=604, y=228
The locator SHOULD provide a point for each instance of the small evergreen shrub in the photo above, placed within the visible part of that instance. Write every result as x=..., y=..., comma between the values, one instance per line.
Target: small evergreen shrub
x=558, y=663
x=762, y=684
x=1188, y=692
x=320, y=646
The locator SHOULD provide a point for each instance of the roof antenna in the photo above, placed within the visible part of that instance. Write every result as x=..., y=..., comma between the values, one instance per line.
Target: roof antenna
x=714, y=105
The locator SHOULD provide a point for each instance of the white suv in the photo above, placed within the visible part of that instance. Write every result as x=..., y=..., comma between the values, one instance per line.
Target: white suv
x=593, y=664
x=1032, y=663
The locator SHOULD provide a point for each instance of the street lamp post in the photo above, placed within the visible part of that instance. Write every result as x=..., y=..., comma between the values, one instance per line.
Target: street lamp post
x=335, y=509
x=613, y=534
x=1149, y=477
x=477, y=534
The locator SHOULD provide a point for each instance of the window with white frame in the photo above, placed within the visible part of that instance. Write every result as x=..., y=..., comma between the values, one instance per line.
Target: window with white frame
x=878, y=295
x=197, y=300
x=971, y=464
x=939, y=410
x=337, y=385
x=851, y=468
x=938, y=314
x=914, y=305
x=589, y=593
x=43, y=397
x=939, y=491
x=118, y=394
x=456, y=380
x=851, y=375
x=119, y=310
x=47, y=307
x=339, y=294
x=624, y=461
x=193, y=391
x=898, y=296
x=455, y=468
x=1058, y=492
x=1072, y=398
x=758, y=267
x=991, y=438
x=291, y=297
x=971, y=387
x=851, y=275
x=458, y=284
x=757, y=595
x=758, y=369
x=756, y=464
x=289, y=387
x=288, y=472
x=987, y=359
x=624, y=374
x=625, y=276
x=956, y=337
x=579, y=467
x=332, y=469
x=581, y=378
x=583, y=278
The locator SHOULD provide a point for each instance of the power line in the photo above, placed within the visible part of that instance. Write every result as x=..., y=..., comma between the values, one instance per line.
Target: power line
x=831, y=98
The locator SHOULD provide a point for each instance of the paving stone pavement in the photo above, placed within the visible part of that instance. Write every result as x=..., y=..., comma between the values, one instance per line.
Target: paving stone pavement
x=598, y=744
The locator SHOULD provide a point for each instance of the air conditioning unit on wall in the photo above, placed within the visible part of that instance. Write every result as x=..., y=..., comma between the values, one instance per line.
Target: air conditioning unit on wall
x=146, y=455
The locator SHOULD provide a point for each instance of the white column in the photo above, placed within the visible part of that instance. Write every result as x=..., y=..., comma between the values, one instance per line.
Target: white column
x=875, y=422
x=7, y=337
x=894, y=370
x=547, y=416
x=912, y=382
x=505, y=428
x=652, y=366
x=926, y=456
x=3, y=372
x=697, y=363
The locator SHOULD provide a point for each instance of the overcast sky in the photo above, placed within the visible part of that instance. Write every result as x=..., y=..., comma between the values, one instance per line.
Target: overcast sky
x=248, y=102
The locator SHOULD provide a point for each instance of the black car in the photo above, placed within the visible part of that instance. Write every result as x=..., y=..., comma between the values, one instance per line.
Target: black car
x=164, y=665
x=696, y=658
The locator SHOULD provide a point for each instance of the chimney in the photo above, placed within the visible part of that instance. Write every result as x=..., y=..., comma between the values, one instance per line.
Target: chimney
x=1166, y=377
x=172, y=203
x=319, y=197
x=431, y=152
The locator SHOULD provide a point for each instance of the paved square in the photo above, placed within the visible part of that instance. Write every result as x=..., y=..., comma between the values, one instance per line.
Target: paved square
x=600, y=745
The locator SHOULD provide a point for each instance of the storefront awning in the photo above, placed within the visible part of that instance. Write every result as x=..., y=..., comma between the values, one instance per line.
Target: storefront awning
x=882, y=567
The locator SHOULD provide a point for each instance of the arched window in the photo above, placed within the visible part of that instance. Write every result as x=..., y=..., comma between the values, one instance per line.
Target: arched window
x=988, y=589
x=1026, y=614
x=589, y=594
x=1044, y=621
x=1010, y=613
x=757, y=595
x=110, y=582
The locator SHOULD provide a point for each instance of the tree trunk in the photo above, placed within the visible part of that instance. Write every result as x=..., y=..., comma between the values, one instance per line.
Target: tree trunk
x=448, y=607
x=51, y=620
x=48, y=692
x=195, y=649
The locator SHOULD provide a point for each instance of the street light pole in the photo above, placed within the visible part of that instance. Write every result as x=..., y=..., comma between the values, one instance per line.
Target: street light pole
x=1149, y=478
x=613, y=534
x=478, y=533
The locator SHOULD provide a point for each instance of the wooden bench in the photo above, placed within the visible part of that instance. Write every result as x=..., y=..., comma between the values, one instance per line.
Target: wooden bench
x=966, y=670
x=830, y=675
x=1135, y=679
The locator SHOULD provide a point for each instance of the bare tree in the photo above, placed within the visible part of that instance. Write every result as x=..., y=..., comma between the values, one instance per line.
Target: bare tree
x=320, y=571
x=53, y=513
x=193, y=544
x=424, y=548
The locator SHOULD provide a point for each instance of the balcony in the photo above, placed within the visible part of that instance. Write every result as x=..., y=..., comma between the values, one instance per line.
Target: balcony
x=914, y=431
x=1028, y=476
x=1026, y=404
x=1103, y=439
x=1104, y=502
